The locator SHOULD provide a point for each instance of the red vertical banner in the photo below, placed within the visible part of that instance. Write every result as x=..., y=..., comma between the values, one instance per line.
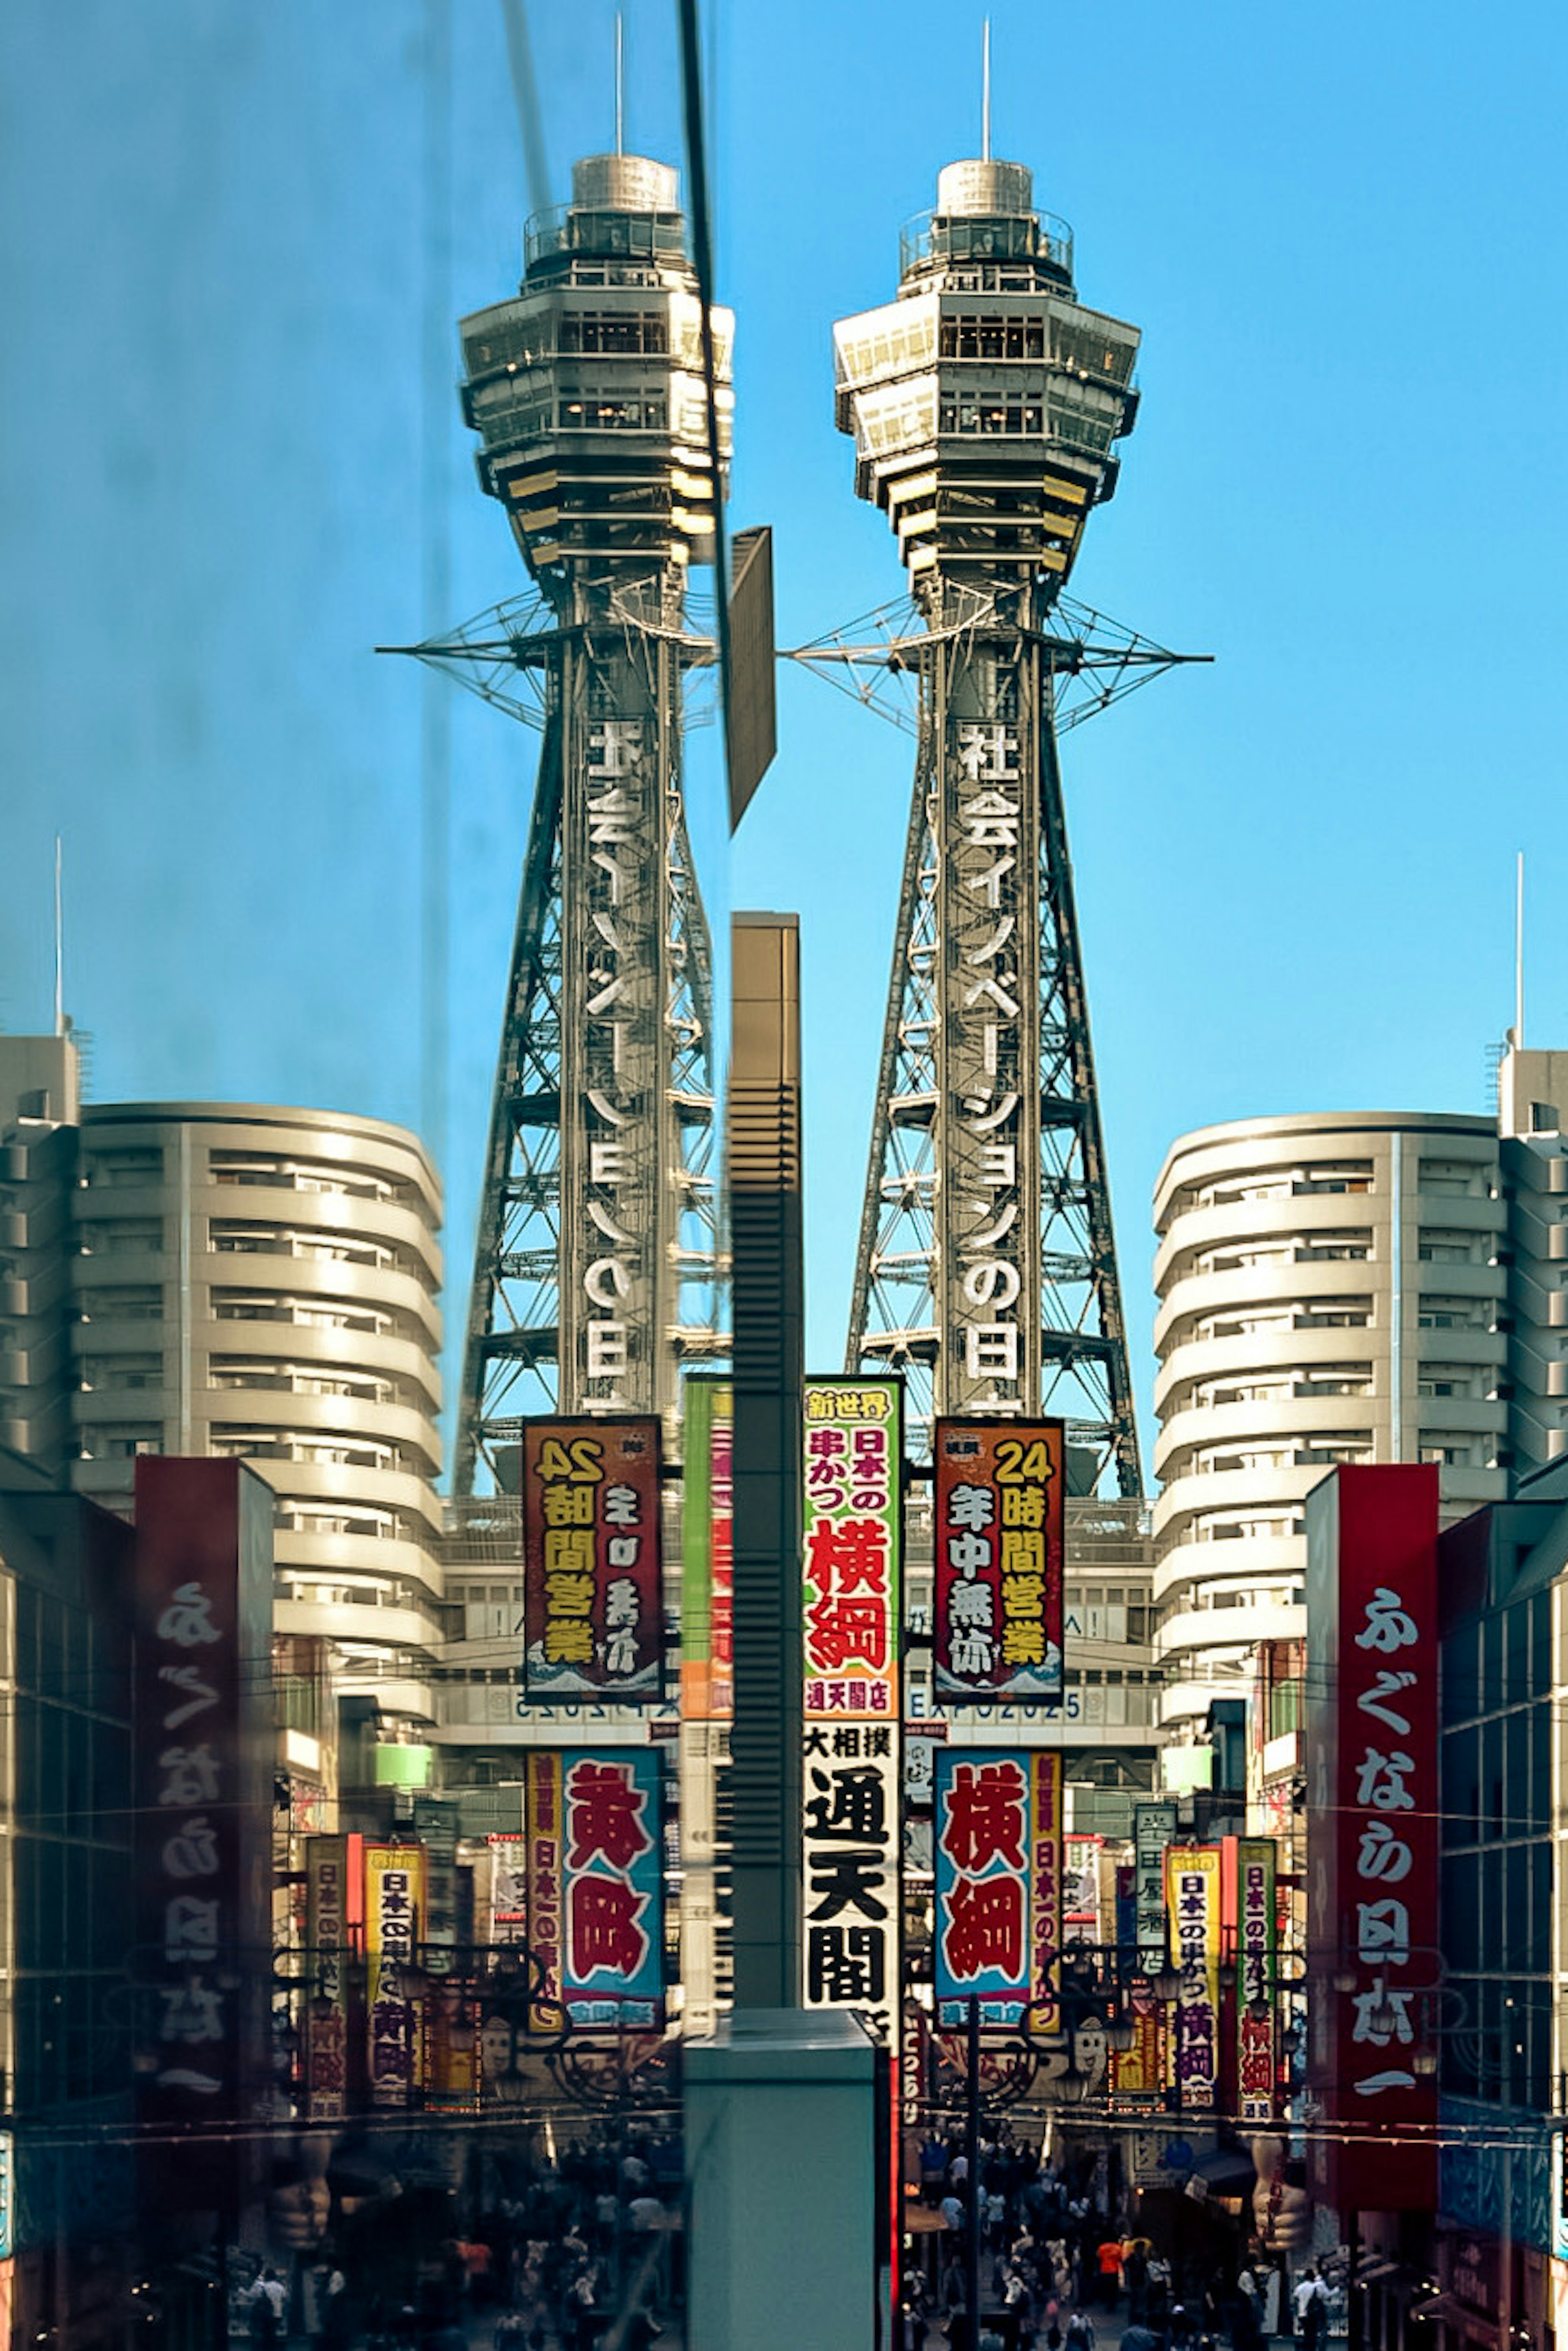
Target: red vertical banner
x=999, y=1493
x=592, y=1598
x=1372, y=1833
x=1256, y=1978
x=202, y=1795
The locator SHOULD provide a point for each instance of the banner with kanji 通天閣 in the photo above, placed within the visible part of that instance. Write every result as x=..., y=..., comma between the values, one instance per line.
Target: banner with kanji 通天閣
x=592, y=1606
x=997, y=1838
x=998, y=1519
x=599, y=1823
x=853, y=1831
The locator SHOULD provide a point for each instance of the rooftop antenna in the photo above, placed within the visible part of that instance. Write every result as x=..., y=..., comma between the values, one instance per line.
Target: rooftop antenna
x=1519, y=954
x=59, y=948
x=986, y=92
x=620, y=89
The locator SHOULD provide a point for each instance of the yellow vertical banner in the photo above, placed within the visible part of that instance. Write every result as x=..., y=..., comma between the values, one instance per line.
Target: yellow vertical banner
x=395, y=1916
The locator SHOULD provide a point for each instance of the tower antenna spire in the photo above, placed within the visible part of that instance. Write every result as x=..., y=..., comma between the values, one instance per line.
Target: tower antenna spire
x=1519, y=954
x=619, y=88
x=986, y=92
x=59, y=947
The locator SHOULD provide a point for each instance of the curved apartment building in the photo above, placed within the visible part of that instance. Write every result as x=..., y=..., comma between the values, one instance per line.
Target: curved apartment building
x=265, y=1284
x=1328, y=1290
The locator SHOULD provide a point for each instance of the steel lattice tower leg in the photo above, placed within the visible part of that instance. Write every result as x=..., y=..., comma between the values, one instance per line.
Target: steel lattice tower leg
x=988, y=1102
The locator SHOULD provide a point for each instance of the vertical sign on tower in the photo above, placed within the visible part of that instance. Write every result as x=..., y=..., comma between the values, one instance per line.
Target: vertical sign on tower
x=593, y=1609
x=1372, y=1807
x=987, y=1054
x=998, y=1540
x=614, y=830
x=851, y=1526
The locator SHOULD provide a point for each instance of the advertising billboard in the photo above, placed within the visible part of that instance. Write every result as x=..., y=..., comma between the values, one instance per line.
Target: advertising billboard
x=202, y=1795
x=1193, y=1894
x=394, y=1928
x=997, y=1845
x=1256, y=1979
x=1373, y=1805
x=593, y=1603
x=851, y=1528
x=998, y=1517
x=326, y=2009
x=596, y=1884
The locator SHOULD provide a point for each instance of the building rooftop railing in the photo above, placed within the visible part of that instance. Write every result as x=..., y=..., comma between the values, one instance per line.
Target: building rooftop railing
x=930, y=238
x=569, y=229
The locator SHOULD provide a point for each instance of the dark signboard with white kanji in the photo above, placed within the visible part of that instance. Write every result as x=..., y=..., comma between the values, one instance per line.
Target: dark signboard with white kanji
x=203, y=1786
x=999, y=1561
x=593, y=1609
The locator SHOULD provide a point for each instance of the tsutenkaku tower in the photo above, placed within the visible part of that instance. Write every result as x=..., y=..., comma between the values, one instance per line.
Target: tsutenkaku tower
x=986, y=403
x=595, y=1268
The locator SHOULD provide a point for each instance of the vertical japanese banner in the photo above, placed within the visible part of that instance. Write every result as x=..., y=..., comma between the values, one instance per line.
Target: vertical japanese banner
x=542, y=1822
x=592, y=1603
x=999, y=1560
x=1192, y=1891
x=852, y=1768
x=1135, y=2073
x=395, y=1916
x=203, y=1794
x=613, y=1948
x=327, y=1999
x=707, y=1673
x=1048, y=1860
x=851, y=1525
x=983, y=1843
x=1153, y=1827
x=1081, y=1915
x=509, y=1889
x=1256, y=1978
x=1373, y=1803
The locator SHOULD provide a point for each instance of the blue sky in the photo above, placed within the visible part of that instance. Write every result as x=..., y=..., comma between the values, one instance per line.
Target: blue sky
x=1337, y=229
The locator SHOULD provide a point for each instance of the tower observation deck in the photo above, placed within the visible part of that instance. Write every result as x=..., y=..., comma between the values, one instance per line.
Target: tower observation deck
x=595, y=1268
x=987, y=404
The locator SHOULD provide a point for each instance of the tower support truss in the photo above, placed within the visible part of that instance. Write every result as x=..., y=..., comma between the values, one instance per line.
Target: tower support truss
x=987, y=1266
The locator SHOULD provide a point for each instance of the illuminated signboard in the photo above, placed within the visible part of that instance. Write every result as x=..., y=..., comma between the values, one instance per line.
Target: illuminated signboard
x=997, y=1842
x=999, y=1560
x=852, y=1837
x=593, y=1609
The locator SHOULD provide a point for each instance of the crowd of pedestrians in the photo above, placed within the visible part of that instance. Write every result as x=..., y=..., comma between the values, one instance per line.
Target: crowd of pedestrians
x=1050, y=2258
x=556, y=2255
